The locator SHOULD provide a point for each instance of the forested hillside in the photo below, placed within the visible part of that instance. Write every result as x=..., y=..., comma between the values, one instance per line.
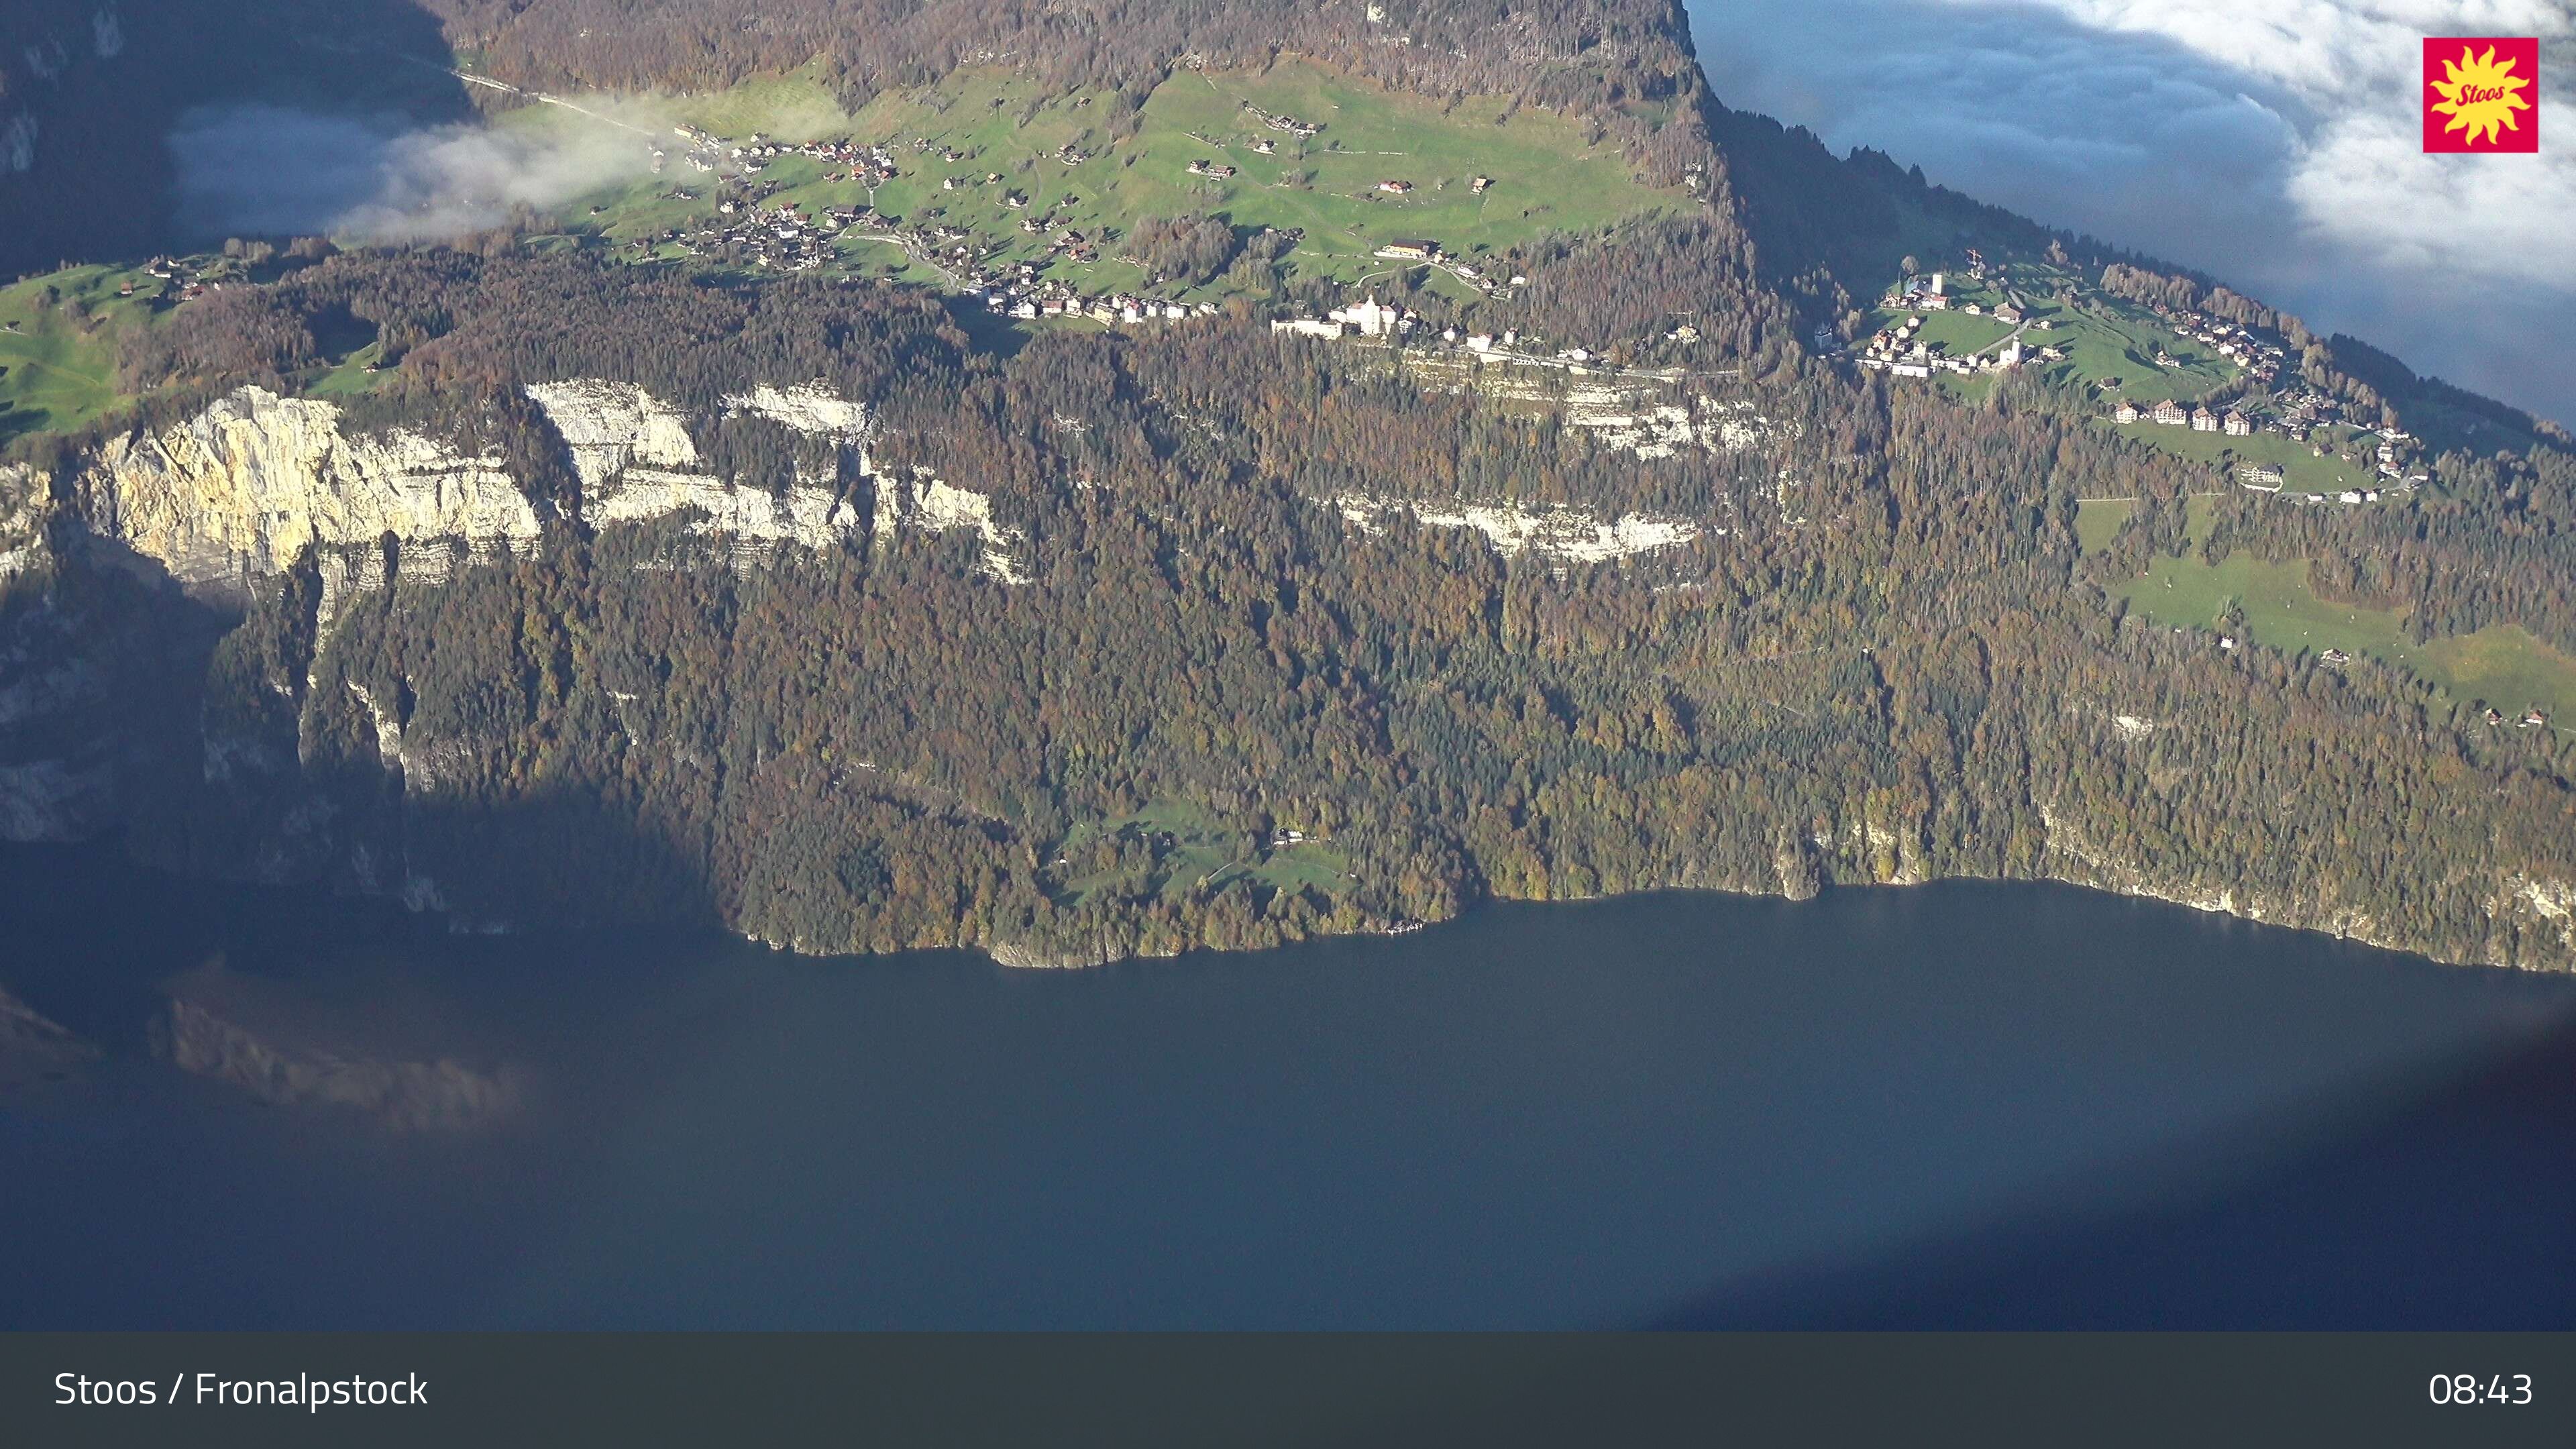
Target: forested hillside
x=845, y=614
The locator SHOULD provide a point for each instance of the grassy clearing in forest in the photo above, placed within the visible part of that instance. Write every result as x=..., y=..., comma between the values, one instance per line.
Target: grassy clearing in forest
x=2302, y=470
x=2099, y=520
x=2502, y=664
x=1174, y=849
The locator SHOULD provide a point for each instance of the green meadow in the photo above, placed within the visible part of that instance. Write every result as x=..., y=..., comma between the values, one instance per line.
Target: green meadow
x=57, y=359
x=2502, y=664
x=1546, y=173
x=2099, y=520
x=2302, y=470
x=1175, y=849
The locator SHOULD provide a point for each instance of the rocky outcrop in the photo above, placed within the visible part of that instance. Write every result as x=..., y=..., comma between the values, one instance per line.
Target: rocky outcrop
x=240, y=490
x=1574, y=535
x=24, y=504
x=2543, y=906
x=924, y=502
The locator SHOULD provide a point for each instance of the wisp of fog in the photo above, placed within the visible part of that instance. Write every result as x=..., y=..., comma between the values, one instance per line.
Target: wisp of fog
x=268, y=170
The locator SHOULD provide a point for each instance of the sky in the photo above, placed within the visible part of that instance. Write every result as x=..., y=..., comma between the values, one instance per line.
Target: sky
x=2273, y=144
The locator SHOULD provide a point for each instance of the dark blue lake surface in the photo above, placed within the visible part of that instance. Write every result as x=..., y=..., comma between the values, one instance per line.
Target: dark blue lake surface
x=1960, y=1105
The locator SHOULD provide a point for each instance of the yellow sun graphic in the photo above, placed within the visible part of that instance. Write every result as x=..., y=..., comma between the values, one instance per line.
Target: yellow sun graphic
x=2479, y=95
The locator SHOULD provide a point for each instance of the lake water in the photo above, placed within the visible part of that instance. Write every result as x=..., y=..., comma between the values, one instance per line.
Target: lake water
x=1960, y=1105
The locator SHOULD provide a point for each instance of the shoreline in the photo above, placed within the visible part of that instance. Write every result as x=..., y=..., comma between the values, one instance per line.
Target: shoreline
x=1024, y=955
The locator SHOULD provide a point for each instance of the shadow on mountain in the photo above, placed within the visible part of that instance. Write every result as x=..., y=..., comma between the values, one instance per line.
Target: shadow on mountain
x=2365, y=1224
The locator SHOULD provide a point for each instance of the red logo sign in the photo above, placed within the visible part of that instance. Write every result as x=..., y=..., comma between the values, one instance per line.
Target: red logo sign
x=2482, y=93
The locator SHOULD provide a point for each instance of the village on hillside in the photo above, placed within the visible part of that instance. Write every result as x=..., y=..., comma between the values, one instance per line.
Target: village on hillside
x=751, y=221
x=1078, y=207
x=2149, y=366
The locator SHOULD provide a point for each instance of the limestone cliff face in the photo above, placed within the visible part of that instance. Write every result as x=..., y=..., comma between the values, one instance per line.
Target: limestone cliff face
x=23, y=506
x=238, y=491
x=637, y=463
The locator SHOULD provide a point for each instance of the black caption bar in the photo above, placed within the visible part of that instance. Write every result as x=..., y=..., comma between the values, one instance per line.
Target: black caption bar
x=1134, y=1390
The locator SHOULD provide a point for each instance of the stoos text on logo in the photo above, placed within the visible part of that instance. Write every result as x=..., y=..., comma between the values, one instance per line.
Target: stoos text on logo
x=2481, y=93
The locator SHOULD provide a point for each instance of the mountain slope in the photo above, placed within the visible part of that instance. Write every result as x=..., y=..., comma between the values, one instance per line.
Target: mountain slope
x=549, y=579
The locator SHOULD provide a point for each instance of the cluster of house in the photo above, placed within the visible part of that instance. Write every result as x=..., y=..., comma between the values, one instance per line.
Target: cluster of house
x=1372, y=318
x=707, y=152
x=1417, y=250
x=773, y=236
x=2395, y=449
x=1034, y=299
x=2261, y=358
x=192, y=284
x=1901, y=350
x=1932, y=294
x=1282, y=122
x=2532, y=718
x=2304, y=408
x=2235, y=422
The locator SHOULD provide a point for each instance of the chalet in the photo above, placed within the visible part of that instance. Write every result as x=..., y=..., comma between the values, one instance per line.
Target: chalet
x=1409, y=251
x=2008, y=313
x=2171, y=414
x=2203, y=421
x=1480, y=185
x=2126, y=412
x=1264, y=146
x=2237, y=425
x=2261, y=477
x=2533, y=719
x=1395, y=188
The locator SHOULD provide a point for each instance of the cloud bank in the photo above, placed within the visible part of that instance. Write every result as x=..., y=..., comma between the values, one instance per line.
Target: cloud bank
x=254, y=169
x=2272, y=143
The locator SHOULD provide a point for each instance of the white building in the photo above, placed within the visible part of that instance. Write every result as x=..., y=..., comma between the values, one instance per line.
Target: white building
x=1368, y=319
